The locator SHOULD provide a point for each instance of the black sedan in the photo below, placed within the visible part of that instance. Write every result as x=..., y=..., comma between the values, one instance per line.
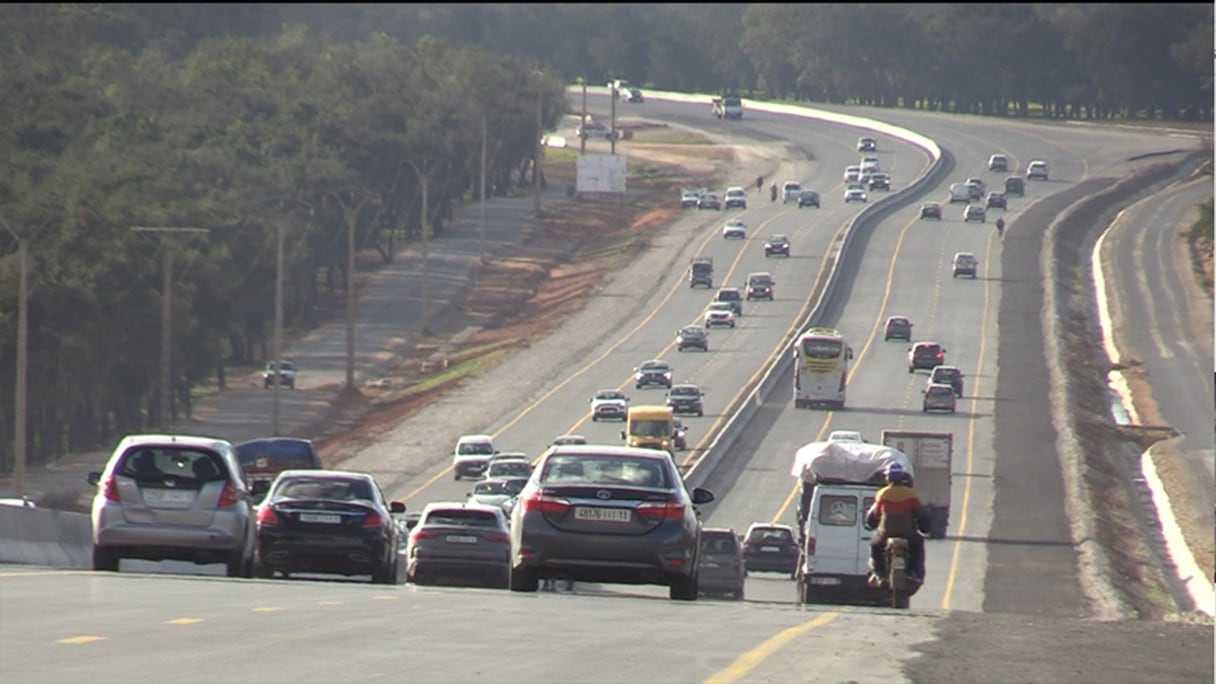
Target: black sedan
x=607, y=514
x=327, y=522
x=996, y=200
x=931, y=210
x=709, y=201
x=692, y=337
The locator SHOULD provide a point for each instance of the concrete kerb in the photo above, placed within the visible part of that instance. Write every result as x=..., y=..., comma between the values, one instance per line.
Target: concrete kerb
x=940, y=164
x=39, y=536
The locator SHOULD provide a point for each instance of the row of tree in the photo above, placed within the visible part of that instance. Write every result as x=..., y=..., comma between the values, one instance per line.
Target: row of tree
x=239, y=118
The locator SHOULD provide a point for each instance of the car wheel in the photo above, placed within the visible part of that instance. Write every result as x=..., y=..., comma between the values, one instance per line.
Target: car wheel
x=386, y=573
x=456, y=475
x=594, y=418
x=524, y=579
x=238, y=565
x=105, y=560
x=260, y=569
x=700, y=414
x=806, y=593
x=909, y=369
x=683, y=588
x=739, y=593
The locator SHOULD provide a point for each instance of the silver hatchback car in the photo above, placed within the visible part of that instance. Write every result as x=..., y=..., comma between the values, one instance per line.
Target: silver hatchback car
x=173, y=497
x=607, y=514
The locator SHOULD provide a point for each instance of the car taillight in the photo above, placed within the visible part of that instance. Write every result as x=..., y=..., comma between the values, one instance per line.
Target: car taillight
x=939, y=355
x=810, y=546
x=110, y=489
x=228, y=496
x=671, y=510
x=419, y=533
x=501, y=537
x=538, y=501
x=267, y=516
x=372, y=520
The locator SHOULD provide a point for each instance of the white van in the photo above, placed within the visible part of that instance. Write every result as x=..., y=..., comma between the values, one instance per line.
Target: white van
x=960, y=192
x=835, y=557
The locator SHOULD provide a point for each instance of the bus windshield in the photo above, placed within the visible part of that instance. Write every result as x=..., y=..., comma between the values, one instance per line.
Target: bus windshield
x=650, y=428
x=822, y=349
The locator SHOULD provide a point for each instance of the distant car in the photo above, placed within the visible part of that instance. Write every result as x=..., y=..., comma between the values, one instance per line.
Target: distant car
x=499, y=492
x=975, y=212
x=897, y=328
x=692, y=337
x=595, y=129
x=504, y=468
x=460, y=542
x=286, y=374
x=1014, y=185
x=263, y=459
x=609, y=404
x=653, y=372
x=870, y=164
x=808, y=198
x=689, y=199
x=733, y=296
x=734, y=228
x=709, y=201
x=760, y=286
x=996, y=200
x=790, y=191
x=634, y=96
x=721, y=569
x=770, y=548
x=720, y=314
x=1036, y=169
x=173, y=497
x=778, y=244
x=867, y=144
x=471, y=455
x=569, y=439
x=686, y=399
x=328, y=522
x=854, y=195
x=948, y=375
x=977, y=187
x=925, y=356
x=965, y=264
x=960, y=192
x=736, y=198
x=879, y=181
x=930, y=210
x=852, y=173
x=998, y=162
x=852, y=436
x=939, y=398
x=607, y=514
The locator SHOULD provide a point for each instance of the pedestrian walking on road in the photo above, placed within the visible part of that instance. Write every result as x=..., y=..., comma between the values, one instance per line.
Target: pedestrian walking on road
x=1000, y=227
x=759, y=183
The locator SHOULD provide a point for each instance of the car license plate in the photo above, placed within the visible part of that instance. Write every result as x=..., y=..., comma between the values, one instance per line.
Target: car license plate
x=602, y=514
x=771, y=549
x=826, y=581
x=168, y=496
x=461, y=539
x=323, y=518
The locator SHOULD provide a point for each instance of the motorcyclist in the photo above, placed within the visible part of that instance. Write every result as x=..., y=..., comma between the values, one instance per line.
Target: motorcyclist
x=772, y=191
x=1000, y=225
x=897, y=512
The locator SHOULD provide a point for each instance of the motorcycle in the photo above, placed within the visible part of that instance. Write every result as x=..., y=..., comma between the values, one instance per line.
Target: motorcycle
x=1000, y=227
x=900, y=585
x=773, y=193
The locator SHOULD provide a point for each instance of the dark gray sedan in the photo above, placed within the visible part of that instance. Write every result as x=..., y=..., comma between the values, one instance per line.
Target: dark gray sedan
x=457, y=543
x=607, y=514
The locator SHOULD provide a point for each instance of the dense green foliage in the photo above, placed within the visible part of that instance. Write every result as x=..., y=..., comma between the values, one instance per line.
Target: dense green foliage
x=241, y=118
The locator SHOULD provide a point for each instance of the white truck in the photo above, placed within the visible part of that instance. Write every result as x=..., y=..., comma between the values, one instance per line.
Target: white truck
x=931, y=455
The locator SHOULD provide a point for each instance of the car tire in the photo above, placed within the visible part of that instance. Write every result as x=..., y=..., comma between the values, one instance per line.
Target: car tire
x=683, y=587
x=456, y=475
x=239, y=565
x=700, y=414
x=260, y=569
x=105, y=560
x=806, y=593
x=594, y=418
x=910, y=369
x=524, y=580
x=387, y=573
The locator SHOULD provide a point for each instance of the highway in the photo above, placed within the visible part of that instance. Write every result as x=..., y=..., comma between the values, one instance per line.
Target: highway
x=212, y=629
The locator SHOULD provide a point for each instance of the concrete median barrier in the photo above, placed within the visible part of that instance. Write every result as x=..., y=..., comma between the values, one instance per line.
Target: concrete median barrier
x=37, y=536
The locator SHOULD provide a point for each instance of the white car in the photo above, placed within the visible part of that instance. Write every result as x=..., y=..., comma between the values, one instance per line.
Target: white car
x=735, y=228
x=790, y=191
x=852, y=173
x=854, y=194
x=720, y=314
x=1036, y=169
x=870, y=165
x=735, y=198
x=998, y=162
x=609, y=404
x=975, y=212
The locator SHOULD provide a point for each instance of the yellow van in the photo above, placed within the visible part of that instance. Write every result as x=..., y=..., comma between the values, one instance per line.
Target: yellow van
x=650, y=427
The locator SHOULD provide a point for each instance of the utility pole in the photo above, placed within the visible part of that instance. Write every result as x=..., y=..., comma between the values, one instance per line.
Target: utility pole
x=612, y=130
x=163, y=419
x=481, y=225
x=277, y=344
x=424, y=182
x=582, y=143
x=539, y=150
x=21, y=396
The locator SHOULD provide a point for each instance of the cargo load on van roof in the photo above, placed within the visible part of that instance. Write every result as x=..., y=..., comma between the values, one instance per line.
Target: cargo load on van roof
x=846, y=462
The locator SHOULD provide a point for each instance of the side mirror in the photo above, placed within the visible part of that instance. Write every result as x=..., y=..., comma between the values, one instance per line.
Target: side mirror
x=93, y=477
x=396, y=507
x=260, y=488
x=701, y=496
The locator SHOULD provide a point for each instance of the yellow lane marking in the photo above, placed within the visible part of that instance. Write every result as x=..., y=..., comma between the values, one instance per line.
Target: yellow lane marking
x=749, y=660
x=183, y=621
x=975, y=393
x=385, y=597
x=267, y=609
x=329, y=603
x=83, y=639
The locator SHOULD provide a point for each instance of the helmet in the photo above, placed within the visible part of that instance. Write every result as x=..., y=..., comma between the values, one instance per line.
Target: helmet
x=896, y=473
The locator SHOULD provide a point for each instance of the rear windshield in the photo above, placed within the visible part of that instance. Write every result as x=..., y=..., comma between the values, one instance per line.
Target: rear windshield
x=520, y=469
x=606, y=470
x=327, y=488
x=770, y=536
x=837, y=510
x=272, y=456
x=462, y=518
x=821, y=349
x=184, y=467
x=475, y=449
x=719, y=543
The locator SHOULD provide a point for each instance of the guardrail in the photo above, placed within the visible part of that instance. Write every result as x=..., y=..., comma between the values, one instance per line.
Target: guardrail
x=39, y=536
x=866, y=219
